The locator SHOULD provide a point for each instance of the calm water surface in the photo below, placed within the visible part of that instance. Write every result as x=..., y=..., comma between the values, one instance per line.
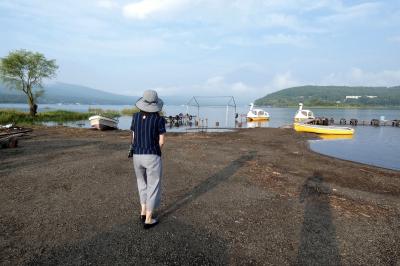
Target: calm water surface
x=376, y=146
x=379, y=146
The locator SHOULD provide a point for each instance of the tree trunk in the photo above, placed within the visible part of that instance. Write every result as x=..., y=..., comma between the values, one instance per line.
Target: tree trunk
x=31, y=101
x=32, y=109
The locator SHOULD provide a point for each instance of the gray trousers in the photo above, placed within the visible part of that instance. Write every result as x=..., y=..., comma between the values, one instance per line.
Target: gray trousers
x=148, y=170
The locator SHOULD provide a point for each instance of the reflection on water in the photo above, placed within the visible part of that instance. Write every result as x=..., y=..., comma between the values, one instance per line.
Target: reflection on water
x=335, y=137
x=254, y=124
x=379, y=146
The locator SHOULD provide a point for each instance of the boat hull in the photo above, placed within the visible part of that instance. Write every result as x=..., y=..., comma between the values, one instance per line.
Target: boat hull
x=257, y=118
x=328, y=130
x=103, y=123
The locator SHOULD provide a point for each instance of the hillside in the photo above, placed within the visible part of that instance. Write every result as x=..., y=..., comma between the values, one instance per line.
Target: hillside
x=67, y=93
x=334, y=96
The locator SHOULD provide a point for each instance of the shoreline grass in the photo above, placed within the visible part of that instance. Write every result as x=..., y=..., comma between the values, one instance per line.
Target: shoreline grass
x=129, y=111
x=104, y=112
x=14, y=116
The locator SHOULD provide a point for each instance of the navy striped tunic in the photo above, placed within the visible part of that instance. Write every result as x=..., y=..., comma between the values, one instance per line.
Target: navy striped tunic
x=147, y=129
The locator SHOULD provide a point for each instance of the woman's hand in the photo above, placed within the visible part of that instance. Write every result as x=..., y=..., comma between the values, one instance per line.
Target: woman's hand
x=161, y=141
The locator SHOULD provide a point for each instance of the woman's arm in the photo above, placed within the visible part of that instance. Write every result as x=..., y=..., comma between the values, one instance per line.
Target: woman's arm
x=162, y=140
x=130, y=154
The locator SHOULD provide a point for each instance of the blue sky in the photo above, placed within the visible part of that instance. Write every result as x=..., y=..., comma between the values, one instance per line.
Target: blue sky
x=245, y=48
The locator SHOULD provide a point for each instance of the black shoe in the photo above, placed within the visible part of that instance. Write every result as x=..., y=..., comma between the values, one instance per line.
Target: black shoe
x=148, y=226
x=142, y=218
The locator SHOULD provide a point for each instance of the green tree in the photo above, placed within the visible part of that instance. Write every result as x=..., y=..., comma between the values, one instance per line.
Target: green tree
x=25, y=70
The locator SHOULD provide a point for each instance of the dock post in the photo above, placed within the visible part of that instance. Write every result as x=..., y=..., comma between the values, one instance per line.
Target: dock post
x=226, y=116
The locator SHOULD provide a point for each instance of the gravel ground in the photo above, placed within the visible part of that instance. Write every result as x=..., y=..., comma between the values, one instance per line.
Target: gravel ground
x=256, y=196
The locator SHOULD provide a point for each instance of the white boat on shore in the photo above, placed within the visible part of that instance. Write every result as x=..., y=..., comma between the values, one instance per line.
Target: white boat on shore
x=103, y=123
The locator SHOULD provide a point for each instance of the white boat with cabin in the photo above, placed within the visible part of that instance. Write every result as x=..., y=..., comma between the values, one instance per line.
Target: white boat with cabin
x=256, y=114
x=303, y=115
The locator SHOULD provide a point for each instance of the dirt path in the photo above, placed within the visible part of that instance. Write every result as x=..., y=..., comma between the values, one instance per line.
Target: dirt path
x=258, y=196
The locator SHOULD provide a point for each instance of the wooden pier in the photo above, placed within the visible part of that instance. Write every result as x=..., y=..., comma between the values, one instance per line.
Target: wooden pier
x=355, y=122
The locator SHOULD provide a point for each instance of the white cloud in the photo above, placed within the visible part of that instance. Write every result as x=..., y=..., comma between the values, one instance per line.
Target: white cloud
x=356, y=74
x=214, y=86
x=290, y=39
x=281, y=20
x=283, y=81
x=273, y=39
x=215, y=82
x=151, y=8
x=127, y=47
x=240, y=87
x=209, y=47
x=359, y=77
x=344, y=14
x=107, y=4
x=381, y=78
x=395, y=39
x=244, y=92
x=218, y=85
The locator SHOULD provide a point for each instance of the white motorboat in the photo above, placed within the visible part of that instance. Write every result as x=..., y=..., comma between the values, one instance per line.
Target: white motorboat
x=256, y=114
x=303, y=115
x=103, y=123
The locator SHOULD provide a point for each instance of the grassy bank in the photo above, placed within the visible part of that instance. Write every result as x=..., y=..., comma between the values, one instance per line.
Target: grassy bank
x=19, y=117
x=129, y=111
x=107, y=113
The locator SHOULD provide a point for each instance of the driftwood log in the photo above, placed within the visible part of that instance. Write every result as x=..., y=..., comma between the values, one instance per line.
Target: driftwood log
x=9, y=142
x=9, y=138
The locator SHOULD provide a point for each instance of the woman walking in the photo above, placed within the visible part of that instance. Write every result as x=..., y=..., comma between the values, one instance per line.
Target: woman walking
x=148, y=129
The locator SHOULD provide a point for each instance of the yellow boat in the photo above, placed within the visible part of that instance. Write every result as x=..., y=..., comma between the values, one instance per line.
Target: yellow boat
x=256, y=119
x=329, y=130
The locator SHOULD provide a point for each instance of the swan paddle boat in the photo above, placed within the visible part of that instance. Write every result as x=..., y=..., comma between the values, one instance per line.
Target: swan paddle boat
x=328, y=130
x=303, y=115
x=256, y=114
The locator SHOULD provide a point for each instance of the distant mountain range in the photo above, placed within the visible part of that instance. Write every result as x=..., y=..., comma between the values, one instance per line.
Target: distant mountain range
x=69, y=93
x=309, y=95
x=334, y=96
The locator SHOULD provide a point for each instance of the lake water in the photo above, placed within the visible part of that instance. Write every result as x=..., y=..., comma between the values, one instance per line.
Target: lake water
x=378, y=146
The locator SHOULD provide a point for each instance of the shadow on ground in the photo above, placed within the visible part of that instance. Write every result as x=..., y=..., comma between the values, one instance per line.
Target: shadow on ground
x=318, y=244
x=208, y=184
x=171, y=242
